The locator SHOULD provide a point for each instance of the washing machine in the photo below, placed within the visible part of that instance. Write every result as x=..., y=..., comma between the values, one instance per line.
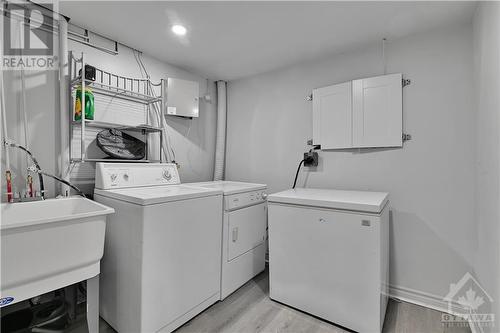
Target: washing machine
x=162, y=252
x=244, y=232
x=329, y=254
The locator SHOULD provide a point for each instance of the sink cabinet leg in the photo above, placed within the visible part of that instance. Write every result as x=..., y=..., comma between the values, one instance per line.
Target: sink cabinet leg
x=93, y=304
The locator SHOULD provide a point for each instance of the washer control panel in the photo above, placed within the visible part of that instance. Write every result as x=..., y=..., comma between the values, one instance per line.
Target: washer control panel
x=240, y=200
x=123, y=175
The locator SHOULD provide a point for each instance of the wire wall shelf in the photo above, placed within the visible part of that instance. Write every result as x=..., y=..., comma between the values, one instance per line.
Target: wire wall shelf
x=117, y=87
x=144, y=128
x=116, y=91
x=113, y=160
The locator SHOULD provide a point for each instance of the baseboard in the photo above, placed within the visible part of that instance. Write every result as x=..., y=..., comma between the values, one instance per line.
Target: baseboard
x=429, y=301
x=419, y=298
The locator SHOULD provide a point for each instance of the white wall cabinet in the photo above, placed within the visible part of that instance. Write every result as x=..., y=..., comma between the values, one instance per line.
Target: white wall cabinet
x=359, y=114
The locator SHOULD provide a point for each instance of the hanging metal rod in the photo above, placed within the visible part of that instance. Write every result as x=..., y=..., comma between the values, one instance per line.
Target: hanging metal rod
x=100, y=48
x=79, y=35
x=85, y=38
x=19, y=5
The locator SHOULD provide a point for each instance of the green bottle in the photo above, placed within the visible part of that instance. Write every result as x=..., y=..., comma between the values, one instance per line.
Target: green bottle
x=89, y=104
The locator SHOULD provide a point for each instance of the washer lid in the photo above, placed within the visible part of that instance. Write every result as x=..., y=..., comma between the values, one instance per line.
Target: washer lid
x=157, y=194
x=363, y=201
x=230, y=187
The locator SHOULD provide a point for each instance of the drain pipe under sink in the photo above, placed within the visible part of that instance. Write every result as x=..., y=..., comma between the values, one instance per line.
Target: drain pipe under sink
x=220, y=145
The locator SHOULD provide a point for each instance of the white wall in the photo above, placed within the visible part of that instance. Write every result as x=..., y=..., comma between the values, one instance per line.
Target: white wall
x=42, y=109
x=430, y=180
x=194, y=147
x=487, y=87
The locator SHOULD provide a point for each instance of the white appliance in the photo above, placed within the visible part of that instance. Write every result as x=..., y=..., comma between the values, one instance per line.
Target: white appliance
x=328, y=254
x=243, y=232
x=162, y=254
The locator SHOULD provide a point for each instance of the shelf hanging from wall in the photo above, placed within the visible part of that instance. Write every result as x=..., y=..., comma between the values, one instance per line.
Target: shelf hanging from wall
x=135, y=90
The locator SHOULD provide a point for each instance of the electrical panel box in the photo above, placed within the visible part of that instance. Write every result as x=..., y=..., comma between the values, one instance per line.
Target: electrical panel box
x=365, y=113
x=182, y=98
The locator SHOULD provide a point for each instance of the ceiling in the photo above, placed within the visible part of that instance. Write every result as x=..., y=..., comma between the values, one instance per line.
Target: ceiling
x=230, y=40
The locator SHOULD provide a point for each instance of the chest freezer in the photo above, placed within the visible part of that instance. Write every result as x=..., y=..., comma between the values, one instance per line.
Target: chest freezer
x=329, y=254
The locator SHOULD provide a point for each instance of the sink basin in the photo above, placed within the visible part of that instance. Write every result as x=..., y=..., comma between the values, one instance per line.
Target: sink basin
x=49, y=244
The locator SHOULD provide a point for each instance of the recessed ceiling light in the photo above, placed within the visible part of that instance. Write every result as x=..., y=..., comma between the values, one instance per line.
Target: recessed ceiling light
x=179, y=30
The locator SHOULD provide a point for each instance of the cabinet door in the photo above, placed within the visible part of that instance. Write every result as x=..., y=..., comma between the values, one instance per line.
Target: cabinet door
x=332, y=116
x=377, y=119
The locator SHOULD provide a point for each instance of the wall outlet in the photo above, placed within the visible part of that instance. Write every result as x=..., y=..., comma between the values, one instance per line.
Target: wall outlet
x=311, y=159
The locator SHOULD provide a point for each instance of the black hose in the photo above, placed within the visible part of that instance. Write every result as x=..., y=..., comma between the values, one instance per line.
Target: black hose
x=35, y=162
x=63, y=181
x=297, y=174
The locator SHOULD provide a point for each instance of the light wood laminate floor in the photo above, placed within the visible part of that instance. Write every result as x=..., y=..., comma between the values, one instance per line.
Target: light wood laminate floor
x=250, y=310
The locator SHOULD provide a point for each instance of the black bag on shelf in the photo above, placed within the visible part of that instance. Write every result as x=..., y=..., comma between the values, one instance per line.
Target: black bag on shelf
x=120, y=145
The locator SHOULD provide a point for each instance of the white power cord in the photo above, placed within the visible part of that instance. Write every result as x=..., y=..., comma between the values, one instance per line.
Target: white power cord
x=167, y=146
x=159, y=112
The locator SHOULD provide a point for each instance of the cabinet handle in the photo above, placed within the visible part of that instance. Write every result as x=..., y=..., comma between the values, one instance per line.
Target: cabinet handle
x=321, y=220
x=235, y=234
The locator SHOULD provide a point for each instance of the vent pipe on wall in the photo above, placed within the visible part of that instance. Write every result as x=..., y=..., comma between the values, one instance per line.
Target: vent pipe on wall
x=220, y=144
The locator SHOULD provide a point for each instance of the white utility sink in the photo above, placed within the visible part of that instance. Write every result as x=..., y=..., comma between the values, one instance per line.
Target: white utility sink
x=49, y=244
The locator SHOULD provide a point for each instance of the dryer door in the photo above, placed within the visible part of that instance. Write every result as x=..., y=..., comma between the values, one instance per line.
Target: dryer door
x=247, y=229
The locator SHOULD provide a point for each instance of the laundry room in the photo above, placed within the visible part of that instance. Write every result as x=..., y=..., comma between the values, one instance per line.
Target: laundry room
x=250, y=166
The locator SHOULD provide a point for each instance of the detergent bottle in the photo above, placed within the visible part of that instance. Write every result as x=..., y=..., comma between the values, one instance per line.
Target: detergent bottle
x=89, y=104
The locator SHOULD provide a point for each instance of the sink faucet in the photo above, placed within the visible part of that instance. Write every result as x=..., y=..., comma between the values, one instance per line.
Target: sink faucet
x=9, y=143
x=35, y=168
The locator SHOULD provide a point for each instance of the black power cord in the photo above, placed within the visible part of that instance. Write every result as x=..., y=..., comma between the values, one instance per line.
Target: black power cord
x=308, y=159
x=297, y=174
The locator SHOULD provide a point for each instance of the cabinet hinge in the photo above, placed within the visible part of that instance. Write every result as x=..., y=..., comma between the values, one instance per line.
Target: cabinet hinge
x=406, y=82
x=406, y=137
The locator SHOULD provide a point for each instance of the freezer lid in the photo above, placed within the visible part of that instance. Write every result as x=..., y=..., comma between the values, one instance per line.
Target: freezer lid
x=362, y=201
x=157, y=194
